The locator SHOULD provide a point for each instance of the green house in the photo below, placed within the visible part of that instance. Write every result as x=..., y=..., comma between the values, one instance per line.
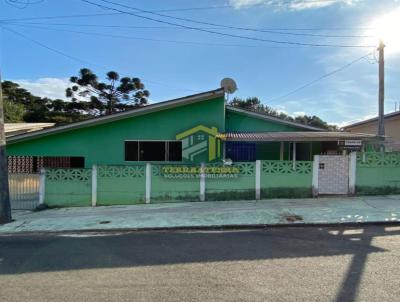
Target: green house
x=193, y=129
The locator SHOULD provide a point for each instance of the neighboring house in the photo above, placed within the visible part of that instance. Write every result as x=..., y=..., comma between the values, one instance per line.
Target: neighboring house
x=193, y=129
x=12, y=129
x=392, y=129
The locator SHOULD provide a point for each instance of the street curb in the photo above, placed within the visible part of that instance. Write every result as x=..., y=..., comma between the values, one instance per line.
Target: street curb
x=208, y=228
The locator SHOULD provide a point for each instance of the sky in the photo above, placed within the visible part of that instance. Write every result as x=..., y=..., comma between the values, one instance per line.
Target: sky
x=258, y=43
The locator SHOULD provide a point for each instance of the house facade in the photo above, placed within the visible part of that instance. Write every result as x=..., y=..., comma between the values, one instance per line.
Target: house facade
x=392, y=129
x=191, y=130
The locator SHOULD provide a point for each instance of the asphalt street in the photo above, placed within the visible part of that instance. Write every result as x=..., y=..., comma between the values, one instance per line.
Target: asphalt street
x=276, y=264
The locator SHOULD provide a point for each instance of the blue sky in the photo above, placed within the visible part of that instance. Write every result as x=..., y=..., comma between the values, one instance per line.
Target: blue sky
x=174, y=62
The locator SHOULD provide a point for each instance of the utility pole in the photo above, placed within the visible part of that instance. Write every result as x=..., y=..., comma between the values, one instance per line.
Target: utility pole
x=5, y=209
x=381, y=117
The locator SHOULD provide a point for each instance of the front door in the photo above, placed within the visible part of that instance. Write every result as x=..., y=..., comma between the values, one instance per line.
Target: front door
x=333, y=174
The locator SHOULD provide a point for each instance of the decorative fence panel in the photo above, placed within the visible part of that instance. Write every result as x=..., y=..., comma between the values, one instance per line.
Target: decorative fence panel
x=378, y=173
x=24, y=191
x=120, y=185
x=170, y=185
x=280, y=180
x=234, y=182
x=68, y=187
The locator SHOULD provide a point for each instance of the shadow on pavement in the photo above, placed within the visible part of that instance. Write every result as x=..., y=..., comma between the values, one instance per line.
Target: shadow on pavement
x=27, y=254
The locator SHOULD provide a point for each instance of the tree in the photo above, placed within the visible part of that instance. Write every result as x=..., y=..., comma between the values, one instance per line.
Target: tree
x=13, y=113
x=255, y=104
x=118, y=94
x=22, y=106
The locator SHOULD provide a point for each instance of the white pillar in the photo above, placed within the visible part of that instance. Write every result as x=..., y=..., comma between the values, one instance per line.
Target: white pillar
x=315, y=175
x=352, y=172
x=42, y=185
x=94, y=185
x=148, y=182
x=294, y=156
x=258, y=179
x=202, y=182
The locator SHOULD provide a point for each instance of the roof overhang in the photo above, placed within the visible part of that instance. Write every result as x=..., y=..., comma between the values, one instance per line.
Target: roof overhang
x=122, y=115
x=272, y=118
x=295, y=136
x=12, y=129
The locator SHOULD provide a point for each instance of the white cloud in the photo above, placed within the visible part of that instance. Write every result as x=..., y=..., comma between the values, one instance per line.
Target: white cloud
x=53, y=88
x=291, y=5
x=299, y=113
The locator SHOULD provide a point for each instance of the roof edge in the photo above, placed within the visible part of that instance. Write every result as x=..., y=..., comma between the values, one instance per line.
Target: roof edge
x=272, y=118
x=204, y=96
x=387, y=116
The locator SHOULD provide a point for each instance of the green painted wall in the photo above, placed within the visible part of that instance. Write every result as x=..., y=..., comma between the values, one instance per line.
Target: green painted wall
x=378, y=173
x=104, y=144
x=124, y=185
x=238, y=188
x=236, y=121
x=68, y=187
x=171, y=189
x=121, y=185
x=279, y=180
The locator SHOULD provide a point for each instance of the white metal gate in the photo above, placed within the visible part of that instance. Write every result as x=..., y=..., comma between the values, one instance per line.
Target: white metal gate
x=24, y=191
x=333, y=174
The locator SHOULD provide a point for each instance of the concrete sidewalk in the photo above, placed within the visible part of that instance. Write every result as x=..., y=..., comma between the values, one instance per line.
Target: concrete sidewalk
x=210, y=214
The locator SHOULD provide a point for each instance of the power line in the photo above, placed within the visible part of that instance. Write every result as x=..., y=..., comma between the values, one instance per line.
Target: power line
x=168, y=27
x=60, y=17
x=280, y=3
x=320, y=78
x=83, y=61
x=175, y=27
x=247, y=6
x=151, y=39
x=225, y=34
x=50, y=48
x=270, y=31
x=21, y=4
x=231, y=27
